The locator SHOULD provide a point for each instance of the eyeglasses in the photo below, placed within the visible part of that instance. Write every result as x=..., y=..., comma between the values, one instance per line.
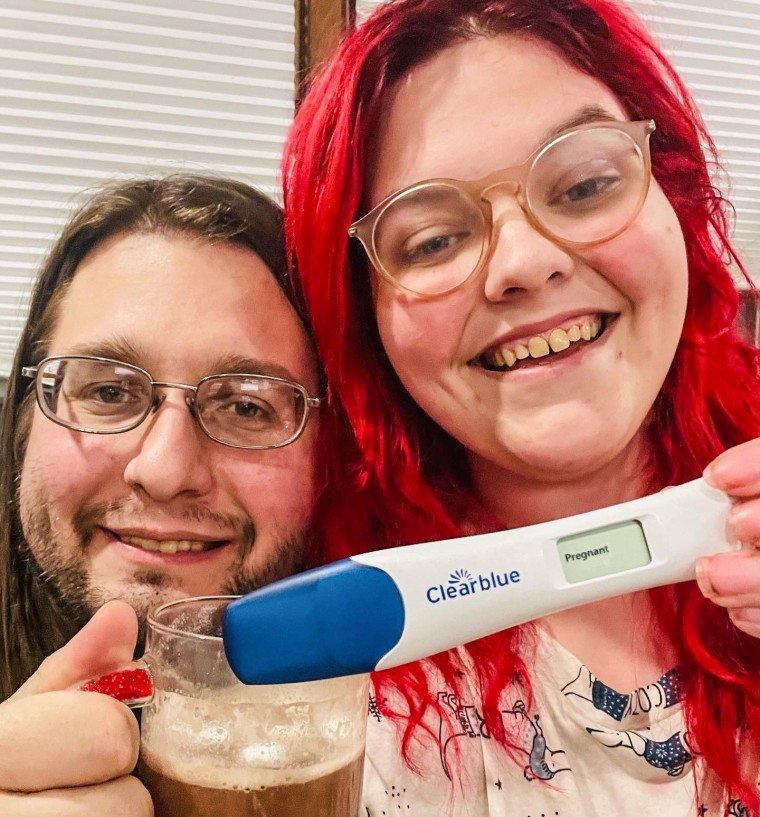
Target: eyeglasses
x=102, y=396
x=580, y=189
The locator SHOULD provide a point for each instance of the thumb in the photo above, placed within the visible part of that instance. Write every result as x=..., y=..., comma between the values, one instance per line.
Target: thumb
x=104, y=644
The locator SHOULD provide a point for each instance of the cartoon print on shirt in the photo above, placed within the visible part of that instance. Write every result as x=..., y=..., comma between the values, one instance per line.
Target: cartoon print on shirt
x=396, y=797
x=543, y=762
x=665, y=692
x=374, y=710
x=462, y=722
x=465, y=721
x=671, y=754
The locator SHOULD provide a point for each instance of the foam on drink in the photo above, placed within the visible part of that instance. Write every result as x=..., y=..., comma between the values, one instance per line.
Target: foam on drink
x=227, y=755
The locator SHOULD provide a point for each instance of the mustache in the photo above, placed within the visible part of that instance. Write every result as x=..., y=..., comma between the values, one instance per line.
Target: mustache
x=95, y=515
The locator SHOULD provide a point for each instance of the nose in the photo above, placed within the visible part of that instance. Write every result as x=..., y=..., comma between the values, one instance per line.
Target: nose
x=522, y=259
x=172, y=457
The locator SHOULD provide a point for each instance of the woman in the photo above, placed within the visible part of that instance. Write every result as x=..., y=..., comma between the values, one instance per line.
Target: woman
x=539, y=324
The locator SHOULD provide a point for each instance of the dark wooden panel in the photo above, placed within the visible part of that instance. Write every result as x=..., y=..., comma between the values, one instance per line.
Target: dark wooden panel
x=319, y=26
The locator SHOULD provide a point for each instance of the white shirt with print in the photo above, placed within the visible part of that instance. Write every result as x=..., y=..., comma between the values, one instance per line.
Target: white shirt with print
x=586, y=750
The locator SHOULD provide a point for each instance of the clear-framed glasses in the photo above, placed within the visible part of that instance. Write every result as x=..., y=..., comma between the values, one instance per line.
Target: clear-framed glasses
x=98, y=395
x=580, y=189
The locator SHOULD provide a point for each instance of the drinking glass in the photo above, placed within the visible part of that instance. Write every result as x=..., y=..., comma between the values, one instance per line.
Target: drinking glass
x=214, y=747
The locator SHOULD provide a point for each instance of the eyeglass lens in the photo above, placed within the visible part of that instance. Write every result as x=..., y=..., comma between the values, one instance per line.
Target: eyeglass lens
x=249, y=411
x=106, y=396
x=582, y=188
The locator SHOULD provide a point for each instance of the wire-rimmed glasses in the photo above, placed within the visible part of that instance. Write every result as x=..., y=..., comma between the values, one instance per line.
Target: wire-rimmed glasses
x=582, y=188
x=98, y=395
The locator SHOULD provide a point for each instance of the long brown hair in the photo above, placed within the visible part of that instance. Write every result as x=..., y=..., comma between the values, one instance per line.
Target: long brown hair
x=34, y=620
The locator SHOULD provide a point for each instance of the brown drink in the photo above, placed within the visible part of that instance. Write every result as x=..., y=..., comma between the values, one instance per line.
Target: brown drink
x=213, y=747
x=334, y=794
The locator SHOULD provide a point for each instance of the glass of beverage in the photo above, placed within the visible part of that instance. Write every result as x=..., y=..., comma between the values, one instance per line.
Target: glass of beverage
x=214, y=747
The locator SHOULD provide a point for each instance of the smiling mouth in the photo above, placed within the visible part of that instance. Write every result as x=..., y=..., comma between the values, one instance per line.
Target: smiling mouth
x=170, y=545
x=543, y=348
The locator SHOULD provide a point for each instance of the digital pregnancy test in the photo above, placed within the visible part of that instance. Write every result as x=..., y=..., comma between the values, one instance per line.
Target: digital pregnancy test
x=381, y=609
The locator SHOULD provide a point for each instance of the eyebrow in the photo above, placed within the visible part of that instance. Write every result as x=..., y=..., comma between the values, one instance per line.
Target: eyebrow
x=123, y=351
x=239, y=364
x=114, y=348
x=586, y=115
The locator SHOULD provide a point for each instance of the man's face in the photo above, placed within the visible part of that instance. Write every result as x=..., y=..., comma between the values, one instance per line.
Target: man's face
x=163, y=512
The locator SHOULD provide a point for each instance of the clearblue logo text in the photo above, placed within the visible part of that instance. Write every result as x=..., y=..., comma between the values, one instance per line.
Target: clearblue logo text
x=463, y=583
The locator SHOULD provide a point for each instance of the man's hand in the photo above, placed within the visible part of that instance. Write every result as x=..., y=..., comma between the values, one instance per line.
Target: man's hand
x=67, y=752
x=732, y=580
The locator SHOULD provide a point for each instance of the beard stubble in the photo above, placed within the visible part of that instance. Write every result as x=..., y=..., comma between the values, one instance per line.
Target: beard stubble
x=65, y=572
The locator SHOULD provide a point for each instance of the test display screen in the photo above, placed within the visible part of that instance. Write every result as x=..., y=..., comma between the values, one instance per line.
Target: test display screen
x=603, y=551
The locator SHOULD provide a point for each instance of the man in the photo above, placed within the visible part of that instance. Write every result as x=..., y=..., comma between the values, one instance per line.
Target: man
x=159, y=437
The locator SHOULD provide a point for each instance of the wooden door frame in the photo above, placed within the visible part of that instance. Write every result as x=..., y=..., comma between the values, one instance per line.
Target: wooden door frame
x=319, y=26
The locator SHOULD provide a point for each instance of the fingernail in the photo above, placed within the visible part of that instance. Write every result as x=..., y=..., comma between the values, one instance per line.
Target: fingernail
x=728, y=471
x=133, y=687
x=716, y=471
x=720, y=475
x=738, y=513
x=748, y=615
x=731, y=574
x=703, y=577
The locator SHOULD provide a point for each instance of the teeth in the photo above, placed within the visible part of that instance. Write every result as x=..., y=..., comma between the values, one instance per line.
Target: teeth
x=167, y=545
x=538, y=347
x=559, y=339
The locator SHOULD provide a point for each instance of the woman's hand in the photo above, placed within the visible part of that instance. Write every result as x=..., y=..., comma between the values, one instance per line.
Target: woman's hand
x=66, y=752
x=732, y=580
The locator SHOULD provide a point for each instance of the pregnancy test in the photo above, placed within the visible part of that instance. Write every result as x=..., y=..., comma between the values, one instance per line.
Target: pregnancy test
x=381, y=609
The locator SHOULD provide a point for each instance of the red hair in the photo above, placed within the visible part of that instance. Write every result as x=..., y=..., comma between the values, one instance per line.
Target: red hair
x=397, y=478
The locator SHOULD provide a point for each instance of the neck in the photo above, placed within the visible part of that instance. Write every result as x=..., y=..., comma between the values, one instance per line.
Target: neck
x=601, y=634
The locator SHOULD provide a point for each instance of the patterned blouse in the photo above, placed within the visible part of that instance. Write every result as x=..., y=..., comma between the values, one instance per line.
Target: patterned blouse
x=585, y=750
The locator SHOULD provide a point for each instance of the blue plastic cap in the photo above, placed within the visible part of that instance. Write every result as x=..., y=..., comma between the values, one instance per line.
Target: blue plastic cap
x=335, y=620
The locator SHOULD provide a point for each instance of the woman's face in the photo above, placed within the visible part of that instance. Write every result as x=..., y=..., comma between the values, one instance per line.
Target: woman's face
x=476, y=108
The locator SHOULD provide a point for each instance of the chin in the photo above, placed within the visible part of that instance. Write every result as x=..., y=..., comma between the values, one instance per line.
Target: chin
x=558, y=458
x=580, y=459
x=142, y=597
